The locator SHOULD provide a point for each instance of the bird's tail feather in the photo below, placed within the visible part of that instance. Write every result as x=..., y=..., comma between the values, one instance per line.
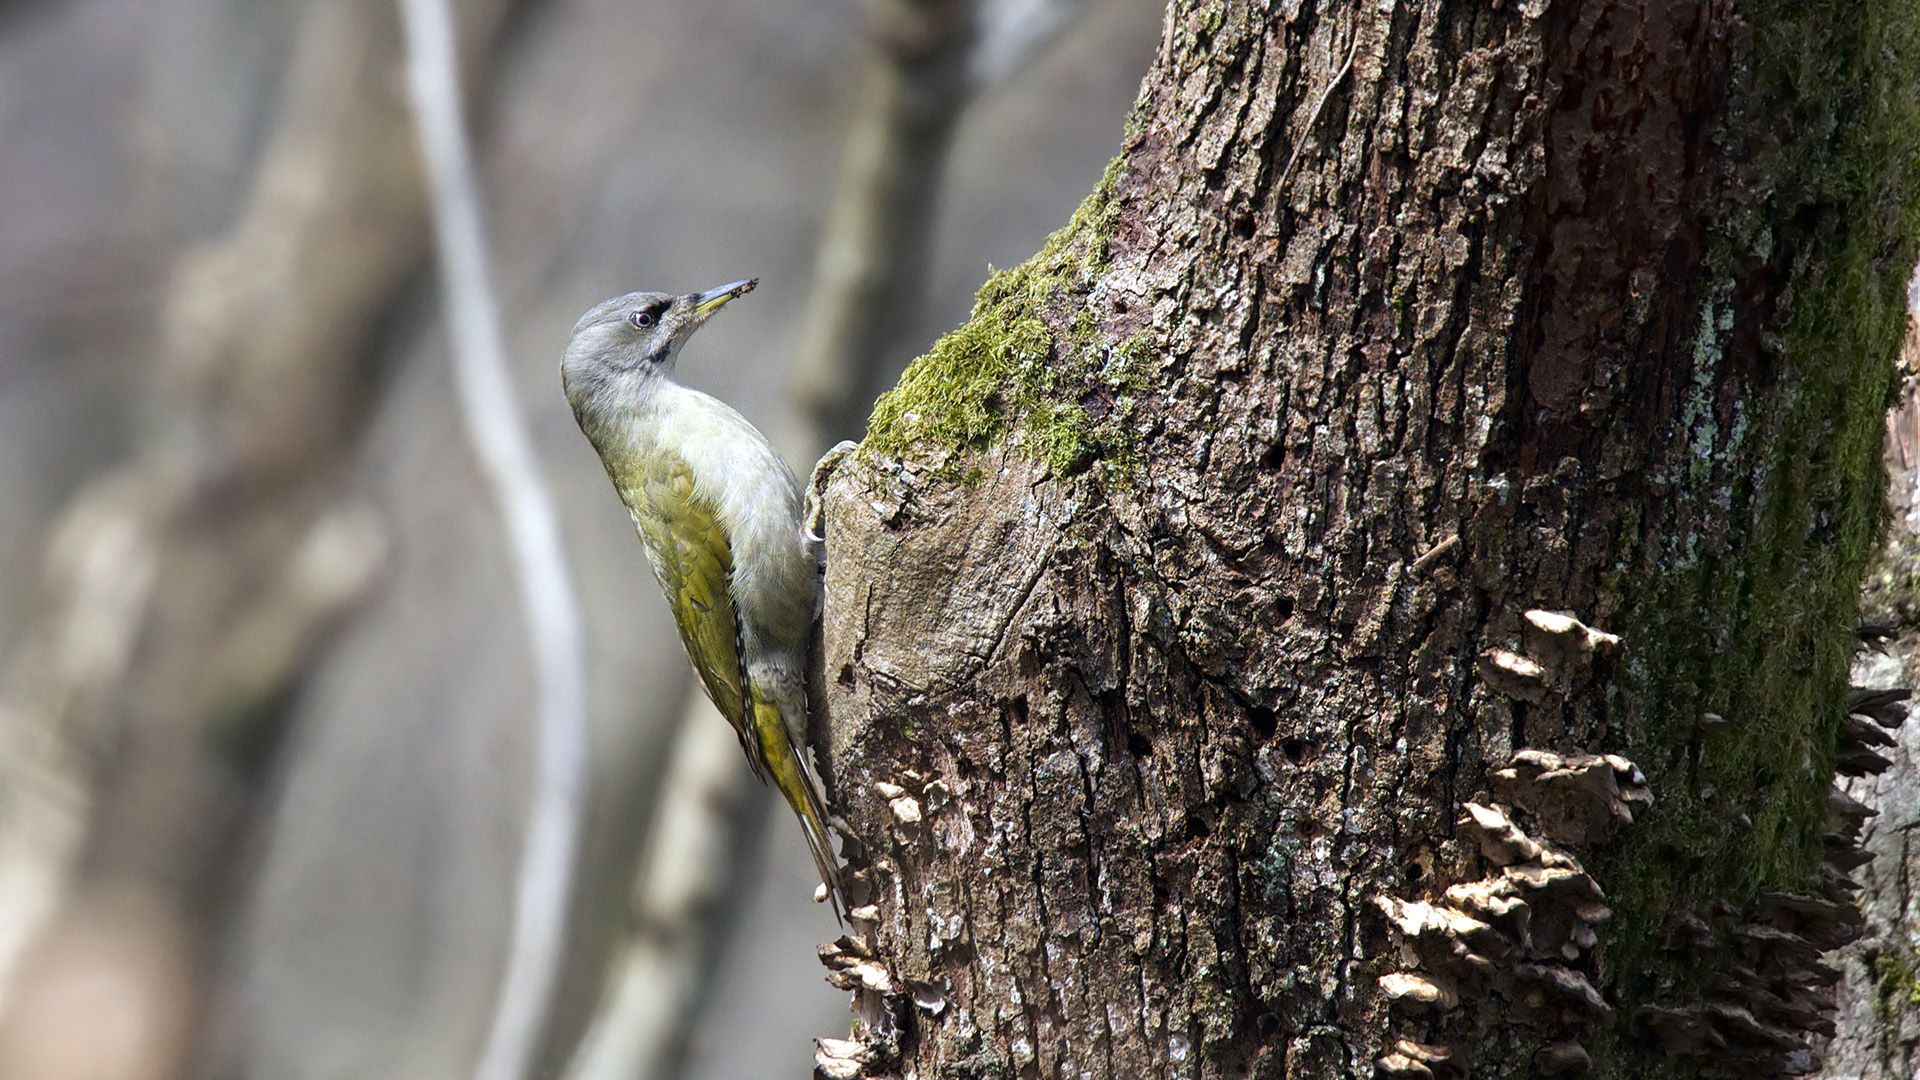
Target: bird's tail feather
x=793, y=774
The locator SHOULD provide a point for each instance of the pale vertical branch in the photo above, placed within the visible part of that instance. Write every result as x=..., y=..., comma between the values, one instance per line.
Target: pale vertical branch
x=1009, y=32
x=709, y=815
x=504, y=450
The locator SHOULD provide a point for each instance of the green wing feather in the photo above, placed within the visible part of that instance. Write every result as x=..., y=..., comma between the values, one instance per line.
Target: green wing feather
x=693, y=559
x=794, y=777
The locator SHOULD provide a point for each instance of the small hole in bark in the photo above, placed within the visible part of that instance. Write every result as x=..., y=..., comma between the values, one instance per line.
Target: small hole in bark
x=1420, y=867
x=1197, y=828
x=1243, y=228
x=1295, y=749
x=1120, y=307
x=1275, y=456
x=1265, y=722
x=1282, y=608
x=1139, y=745
x=846, y=676
x=1018, y=708
x=1028, y=661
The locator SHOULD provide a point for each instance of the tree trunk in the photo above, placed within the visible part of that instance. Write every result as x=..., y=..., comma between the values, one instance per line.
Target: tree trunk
x=1189, y=682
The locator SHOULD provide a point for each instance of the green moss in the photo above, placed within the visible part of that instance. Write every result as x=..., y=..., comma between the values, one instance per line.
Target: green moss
x=1028, y=358
x=1207, y=22
x=1761, y=632
x=1898, y=990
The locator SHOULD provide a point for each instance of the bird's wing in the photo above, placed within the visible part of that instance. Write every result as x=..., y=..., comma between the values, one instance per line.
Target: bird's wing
x=692, y=555
x=693, y=558
x=794, y=775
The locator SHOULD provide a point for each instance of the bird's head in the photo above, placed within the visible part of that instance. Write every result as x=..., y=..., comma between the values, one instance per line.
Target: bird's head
x=627, y=344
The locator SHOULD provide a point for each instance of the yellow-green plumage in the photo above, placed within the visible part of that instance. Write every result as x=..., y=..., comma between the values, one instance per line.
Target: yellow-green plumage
x=693, y=561
x=719, y=515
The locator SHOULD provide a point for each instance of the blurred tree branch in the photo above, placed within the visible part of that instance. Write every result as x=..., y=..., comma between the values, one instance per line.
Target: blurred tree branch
x=186, y=592
x=688, y=891
x=929, y=58
x=497, y=431
x=1008, y=33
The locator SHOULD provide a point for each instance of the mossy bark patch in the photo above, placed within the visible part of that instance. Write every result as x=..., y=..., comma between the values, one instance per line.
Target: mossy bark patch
x=1029, y=358
x=1745, y=612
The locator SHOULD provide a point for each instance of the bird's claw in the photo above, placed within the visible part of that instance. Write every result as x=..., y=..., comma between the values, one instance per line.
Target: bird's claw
x=816, y=518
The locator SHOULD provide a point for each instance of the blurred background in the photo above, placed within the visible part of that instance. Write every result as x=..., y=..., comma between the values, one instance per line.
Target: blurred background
x=265, y=695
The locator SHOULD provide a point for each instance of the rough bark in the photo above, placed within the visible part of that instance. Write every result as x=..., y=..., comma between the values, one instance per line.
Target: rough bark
x=1189, y=679
x=1878, y=1020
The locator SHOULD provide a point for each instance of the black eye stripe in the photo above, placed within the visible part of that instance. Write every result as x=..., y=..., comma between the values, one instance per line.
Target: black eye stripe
x=643, y=318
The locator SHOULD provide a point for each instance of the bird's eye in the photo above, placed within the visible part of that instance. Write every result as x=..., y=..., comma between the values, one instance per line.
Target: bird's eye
x=640, y=320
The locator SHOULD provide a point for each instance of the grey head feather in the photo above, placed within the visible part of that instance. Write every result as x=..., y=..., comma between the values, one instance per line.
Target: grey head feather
x=608, y=348
x=622, y=348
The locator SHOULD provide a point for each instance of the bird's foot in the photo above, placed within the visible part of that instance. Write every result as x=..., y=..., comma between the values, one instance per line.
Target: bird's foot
x=817, y=489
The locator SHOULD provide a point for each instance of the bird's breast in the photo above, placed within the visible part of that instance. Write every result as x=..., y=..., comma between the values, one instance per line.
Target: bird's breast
x=699, y=452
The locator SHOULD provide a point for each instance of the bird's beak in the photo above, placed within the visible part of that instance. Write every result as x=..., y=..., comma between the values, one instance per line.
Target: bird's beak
x=706, y=303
